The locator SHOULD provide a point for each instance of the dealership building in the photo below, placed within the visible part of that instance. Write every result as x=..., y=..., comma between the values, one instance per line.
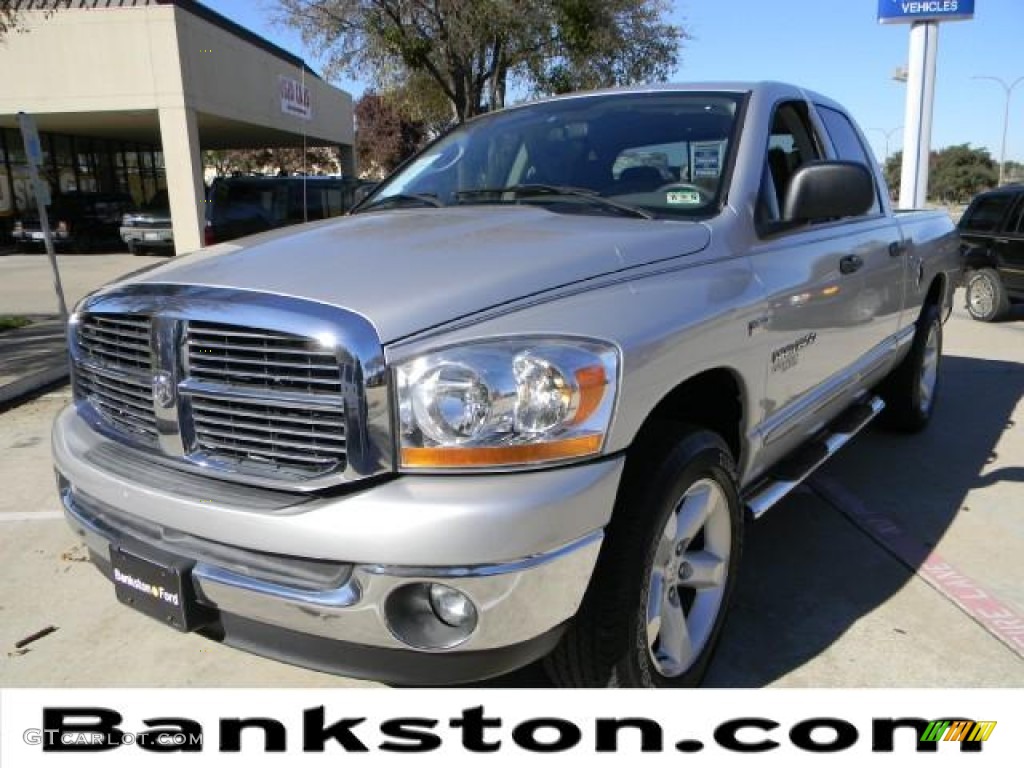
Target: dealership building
x=127, y=94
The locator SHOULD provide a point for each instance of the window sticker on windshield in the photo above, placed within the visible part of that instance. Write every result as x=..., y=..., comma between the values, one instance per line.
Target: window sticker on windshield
x=682, y=197
x=706, y=158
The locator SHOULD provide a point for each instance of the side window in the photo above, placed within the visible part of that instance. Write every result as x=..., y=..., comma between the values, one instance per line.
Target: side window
x=792, y=143
x=986, y=214
x=1015, y=226
x=847, y=144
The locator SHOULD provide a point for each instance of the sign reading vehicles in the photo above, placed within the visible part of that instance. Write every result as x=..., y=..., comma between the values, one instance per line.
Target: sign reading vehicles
x=908, y=11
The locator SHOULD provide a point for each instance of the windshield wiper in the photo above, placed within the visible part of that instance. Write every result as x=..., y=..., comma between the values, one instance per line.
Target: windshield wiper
x=401, y=199
x=553, y=190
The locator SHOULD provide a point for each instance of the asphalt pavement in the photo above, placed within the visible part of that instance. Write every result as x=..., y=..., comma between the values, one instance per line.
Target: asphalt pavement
x=900, y=564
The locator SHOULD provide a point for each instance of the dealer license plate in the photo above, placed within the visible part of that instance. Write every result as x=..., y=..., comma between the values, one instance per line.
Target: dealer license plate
x=157, y=584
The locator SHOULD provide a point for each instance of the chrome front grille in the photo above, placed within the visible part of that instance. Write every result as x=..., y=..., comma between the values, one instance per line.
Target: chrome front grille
x=268, y=398
x=125, y=402
x=252, y=387
x=300, y=439
x=113, y=372
x=117, y=341
x=251, y=357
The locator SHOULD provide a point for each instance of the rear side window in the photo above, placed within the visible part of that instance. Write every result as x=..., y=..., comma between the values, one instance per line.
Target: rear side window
x=986, y=214
x=1015, y=225
x=847, y=143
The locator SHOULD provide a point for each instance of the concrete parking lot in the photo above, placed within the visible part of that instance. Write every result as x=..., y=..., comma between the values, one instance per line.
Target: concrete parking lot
x=901, y=564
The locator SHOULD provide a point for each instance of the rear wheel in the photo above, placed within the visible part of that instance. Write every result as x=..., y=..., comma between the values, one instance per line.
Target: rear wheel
x=655, y=607
x=986, y=295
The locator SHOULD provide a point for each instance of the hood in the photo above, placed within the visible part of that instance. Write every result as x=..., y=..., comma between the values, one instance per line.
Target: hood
x=413, y=269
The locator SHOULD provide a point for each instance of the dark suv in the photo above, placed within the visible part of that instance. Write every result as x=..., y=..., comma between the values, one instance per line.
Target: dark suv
x=992, y=231
x=243, y=205
x=78, y=220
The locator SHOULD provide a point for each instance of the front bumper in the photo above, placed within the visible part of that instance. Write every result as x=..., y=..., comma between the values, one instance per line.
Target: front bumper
x=36, y=237
x=521, y=546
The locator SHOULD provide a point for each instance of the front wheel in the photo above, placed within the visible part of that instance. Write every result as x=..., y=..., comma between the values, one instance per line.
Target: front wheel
x=986, y=296
x=655, y=607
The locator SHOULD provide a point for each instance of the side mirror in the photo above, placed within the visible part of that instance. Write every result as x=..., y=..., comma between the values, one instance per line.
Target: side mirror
x=829, y=189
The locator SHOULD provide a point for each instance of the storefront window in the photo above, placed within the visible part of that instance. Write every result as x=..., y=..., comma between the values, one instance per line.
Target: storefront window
x=15, y=146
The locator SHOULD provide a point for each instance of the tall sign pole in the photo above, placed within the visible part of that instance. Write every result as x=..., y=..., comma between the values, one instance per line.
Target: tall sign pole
x=917, y=120
x=34, y=155
x=924, y=17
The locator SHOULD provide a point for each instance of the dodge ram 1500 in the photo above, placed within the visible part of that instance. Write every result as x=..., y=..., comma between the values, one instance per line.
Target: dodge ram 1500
x=522, y=404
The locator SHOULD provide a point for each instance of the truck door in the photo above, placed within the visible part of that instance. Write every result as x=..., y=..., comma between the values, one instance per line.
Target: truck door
x=833, y=292
x=885, y=268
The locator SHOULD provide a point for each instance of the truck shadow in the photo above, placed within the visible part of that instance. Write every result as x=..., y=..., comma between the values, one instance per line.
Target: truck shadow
x=809, y=573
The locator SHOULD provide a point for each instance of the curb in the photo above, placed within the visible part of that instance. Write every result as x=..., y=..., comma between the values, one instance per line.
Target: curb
x=27, y=385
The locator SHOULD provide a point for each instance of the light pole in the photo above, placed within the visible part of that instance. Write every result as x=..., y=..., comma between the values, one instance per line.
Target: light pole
x=1006, y=116
x=887, y=135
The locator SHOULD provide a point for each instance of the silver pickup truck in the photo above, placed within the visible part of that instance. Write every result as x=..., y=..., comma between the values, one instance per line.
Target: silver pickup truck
x=522, y=404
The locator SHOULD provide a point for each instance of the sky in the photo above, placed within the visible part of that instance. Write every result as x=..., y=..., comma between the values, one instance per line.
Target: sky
x=835, y=47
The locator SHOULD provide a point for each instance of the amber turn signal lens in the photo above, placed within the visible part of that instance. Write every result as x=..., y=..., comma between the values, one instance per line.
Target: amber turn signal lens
x=496, y=455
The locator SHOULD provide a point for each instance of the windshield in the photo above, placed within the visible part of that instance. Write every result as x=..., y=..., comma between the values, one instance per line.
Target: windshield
x=663, y=154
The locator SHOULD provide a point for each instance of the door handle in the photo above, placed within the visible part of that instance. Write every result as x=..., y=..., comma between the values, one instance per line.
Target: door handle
x=896, y=248
x=850, y=264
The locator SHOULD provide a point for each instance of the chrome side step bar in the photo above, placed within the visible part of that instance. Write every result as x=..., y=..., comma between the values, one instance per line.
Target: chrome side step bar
x=794, y=470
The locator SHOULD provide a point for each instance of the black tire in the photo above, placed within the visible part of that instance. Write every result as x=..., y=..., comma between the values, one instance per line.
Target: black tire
x=607, y=644
x=986, y=295
x=909, y=405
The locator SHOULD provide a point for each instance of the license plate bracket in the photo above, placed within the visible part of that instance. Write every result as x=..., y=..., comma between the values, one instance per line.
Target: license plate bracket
x=158, y=584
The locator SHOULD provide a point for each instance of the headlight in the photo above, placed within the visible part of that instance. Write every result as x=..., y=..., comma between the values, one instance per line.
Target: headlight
x=506, y=403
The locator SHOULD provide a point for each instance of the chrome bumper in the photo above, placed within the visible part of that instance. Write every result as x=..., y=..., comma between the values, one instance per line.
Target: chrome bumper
x=518, y=598
x=517, y=601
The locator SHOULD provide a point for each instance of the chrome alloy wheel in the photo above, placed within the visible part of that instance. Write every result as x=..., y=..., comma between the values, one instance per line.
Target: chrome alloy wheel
x=981, y=296
x=688, y=578
x=929, y=368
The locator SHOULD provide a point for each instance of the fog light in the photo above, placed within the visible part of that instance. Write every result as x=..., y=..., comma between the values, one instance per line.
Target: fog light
x=451, y=606
x=430, y=616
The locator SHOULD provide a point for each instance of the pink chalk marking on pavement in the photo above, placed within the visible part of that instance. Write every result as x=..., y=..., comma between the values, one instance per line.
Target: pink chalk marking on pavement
x=995, y=617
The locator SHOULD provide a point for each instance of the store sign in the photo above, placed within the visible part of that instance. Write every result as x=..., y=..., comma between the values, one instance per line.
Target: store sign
x=295, y=98
x=908, y=11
